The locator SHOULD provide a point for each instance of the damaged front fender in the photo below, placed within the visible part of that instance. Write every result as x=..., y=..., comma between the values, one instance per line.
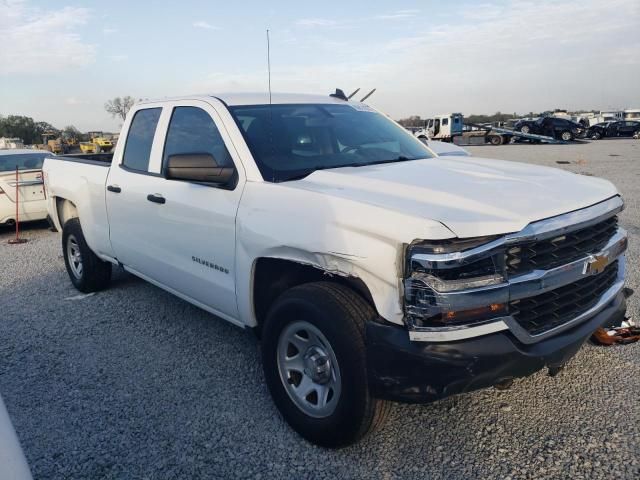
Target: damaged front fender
x=338, y=236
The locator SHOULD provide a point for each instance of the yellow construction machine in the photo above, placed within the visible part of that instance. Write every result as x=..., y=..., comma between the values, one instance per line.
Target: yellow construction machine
x=102, y=143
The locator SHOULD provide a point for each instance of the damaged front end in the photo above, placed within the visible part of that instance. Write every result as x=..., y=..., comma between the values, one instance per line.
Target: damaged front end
x=485, y=310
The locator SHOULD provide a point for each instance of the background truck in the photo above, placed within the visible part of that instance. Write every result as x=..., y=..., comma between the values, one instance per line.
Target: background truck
x=371, y=268
x=451, y=127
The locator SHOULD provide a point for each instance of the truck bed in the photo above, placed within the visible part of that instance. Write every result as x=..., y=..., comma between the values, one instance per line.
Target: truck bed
x=80, y=180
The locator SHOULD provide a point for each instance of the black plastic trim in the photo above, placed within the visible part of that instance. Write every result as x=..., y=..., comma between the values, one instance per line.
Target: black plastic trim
x=139, y=172
x=422, y=372
x=156, y=198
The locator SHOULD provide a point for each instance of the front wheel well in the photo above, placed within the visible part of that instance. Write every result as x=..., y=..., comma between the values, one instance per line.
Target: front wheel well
x=273, y=276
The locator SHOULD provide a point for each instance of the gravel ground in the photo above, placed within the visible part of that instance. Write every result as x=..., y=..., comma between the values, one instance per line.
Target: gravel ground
x=135, y=383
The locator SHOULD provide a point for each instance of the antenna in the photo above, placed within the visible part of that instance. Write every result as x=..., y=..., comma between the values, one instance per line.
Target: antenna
x=353, y=93
x=367, y=95
x=269, y=64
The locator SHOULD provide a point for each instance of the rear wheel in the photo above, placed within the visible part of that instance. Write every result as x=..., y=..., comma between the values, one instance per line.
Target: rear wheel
x=566, y=136
x=314, y=359
x=87, y=272
x=495, y=139
x=525, y=129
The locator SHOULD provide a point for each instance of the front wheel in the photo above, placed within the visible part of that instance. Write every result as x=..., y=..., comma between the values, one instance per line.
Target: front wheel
x=525, y=129
x=87, y=272
x=566, y=136
x=314, y=359
x=596, y=136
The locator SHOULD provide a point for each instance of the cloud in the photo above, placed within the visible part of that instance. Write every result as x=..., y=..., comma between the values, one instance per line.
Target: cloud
x=118, y=58
x=72, y=101
x=316, y=22
x=398, y=15
x=109, y=30
x=204, y=25
x=322, y=78
x=520, y=56
x=39, y=40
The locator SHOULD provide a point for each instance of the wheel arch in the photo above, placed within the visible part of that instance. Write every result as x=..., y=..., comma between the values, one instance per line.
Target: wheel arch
x=65, y=211
x=289, y=273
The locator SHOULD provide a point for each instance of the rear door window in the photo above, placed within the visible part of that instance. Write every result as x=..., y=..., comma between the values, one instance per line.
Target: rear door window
x=192, y=130
x=137, y=150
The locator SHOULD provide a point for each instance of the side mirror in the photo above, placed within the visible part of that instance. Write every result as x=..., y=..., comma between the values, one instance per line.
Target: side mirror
x=197, y=167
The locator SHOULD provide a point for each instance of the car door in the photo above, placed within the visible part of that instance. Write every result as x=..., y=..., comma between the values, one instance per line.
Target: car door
x=436, y=127
x=629, y=129
x=541, y=127
x=185, y=230
x=129, y=180
x=612, y=129
x=559, y=126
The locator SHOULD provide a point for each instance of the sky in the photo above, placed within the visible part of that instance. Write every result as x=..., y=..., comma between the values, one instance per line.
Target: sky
x=61, y=60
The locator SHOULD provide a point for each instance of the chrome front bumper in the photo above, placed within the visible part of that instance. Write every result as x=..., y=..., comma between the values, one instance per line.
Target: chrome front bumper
x=530, y=284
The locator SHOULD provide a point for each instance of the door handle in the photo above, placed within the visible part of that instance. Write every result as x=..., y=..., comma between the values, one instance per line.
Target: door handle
x=114, y=188
x=156, y=198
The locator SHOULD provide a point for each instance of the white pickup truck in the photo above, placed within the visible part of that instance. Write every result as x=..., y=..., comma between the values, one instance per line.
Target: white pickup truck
x=371, y=268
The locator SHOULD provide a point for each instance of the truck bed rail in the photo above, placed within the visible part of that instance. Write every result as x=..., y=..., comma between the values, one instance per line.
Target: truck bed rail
x=100, y=159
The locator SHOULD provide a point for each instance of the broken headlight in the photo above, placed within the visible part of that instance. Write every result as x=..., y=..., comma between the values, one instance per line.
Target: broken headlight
x=455, y=282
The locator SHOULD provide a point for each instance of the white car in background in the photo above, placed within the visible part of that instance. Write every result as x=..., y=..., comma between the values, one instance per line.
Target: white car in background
x=31, y=197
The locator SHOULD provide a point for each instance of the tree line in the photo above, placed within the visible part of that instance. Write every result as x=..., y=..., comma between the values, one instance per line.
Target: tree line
x=31, y=131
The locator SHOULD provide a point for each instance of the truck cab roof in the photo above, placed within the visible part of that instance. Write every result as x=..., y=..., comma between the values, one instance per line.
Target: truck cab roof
x=259, y=98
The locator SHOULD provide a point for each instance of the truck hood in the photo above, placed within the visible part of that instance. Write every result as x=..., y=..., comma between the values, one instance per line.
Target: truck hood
x=470, y=196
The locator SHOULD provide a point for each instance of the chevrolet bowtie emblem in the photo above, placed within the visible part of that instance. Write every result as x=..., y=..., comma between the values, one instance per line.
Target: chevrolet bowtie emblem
x=596, y=264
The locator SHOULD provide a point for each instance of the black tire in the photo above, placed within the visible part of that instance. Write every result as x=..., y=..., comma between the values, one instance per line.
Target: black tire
x=495, y=140
x=340, y=315
x=95, y=274
x=525, y=129
x=566, y=136
x=596, y=136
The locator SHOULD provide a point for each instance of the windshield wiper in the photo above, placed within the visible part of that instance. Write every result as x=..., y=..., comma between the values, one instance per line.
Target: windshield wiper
x=400, y=158
x=306, y=173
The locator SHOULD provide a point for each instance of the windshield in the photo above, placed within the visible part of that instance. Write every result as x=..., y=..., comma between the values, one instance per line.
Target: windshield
x=24, y=161
x=291, y=141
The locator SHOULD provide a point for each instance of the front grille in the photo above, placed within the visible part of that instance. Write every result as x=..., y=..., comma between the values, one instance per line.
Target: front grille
x=551, y=309
x=560, y=250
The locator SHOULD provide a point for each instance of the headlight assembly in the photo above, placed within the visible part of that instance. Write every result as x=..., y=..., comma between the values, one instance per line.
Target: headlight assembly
x=455, y=282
